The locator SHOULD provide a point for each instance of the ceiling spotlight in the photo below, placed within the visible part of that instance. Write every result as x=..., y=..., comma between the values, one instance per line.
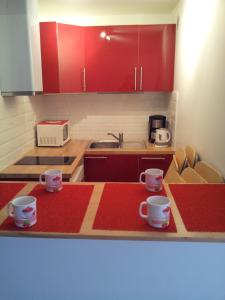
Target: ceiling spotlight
x=103, y=34
x=108, y=38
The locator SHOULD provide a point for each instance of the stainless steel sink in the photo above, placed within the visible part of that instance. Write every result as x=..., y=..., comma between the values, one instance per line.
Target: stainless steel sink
x=104, y=144
x=114, y=144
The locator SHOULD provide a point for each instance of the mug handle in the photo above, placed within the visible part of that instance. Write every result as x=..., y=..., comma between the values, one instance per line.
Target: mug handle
x=143, y=216
x=10, y=209
x=168, y=136
x=140, y=177
x=41, y=179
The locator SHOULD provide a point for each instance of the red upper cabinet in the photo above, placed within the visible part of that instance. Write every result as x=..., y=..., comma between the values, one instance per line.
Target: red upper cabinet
x=129, y=59
x=169, y=37
x=156, y=57
x=62, y=51
x=49, y=57
x=111, y=63
x=71, y=58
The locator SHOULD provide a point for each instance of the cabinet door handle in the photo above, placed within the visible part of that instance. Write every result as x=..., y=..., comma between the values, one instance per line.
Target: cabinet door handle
x=153, y=158
x=96, y=157
x=84, y=79
x=135, y=78
x=141, y=78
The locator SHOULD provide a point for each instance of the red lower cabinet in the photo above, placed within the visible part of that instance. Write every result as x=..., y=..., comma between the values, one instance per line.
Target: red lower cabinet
x=122, y=168
x=160, y=161
x=106, y=168
x=95, y=168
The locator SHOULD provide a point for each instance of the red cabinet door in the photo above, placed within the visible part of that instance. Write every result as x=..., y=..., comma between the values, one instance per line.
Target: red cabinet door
x=49, y=57
x=158, y=161
x=169, y=36
x=114, y=168
x=122, y=168
x=96, y=168
x=71, y=58
x=156, y=57
x=62, y=53
x=111, y=65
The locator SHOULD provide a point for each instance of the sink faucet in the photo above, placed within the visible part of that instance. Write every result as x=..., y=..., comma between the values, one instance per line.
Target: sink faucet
x=119, y=138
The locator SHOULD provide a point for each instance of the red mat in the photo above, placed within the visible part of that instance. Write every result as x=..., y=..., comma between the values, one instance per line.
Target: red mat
x=202, y=206
x=8, y=191
x=119, y=205
x=57, y=212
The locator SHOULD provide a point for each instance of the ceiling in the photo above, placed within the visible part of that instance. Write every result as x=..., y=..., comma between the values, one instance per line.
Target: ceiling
x=106, y=7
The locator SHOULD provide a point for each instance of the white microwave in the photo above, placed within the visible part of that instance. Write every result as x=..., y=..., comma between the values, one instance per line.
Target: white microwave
x=53, y=133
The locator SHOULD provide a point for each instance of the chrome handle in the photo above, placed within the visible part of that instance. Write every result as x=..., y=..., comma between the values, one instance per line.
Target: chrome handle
x=135, y=78
x=141, y=77
x=153, y=158
x=94, y=157
x=84, y=79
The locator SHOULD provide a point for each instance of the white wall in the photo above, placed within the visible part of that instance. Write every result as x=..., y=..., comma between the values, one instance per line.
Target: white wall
x=106, y=13
x=79, y=269
x=172, y=115
x=110, y=20
x=18, y=116
x=200, y=79
x=93, y=115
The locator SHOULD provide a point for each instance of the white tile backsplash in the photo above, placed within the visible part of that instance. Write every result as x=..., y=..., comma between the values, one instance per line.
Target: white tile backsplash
x=18, y=116
x=91, y=117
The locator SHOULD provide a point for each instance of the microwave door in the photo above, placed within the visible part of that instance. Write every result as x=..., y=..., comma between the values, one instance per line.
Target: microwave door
x=65, y=132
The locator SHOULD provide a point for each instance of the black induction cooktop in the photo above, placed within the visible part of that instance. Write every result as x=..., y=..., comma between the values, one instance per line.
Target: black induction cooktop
x=46, y=160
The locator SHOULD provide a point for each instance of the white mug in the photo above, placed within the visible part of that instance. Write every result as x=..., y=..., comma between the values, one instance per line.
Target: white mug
x=23, y=210
x=153, y=179
x=162, y=137
x=52, y=180
x=158, y=211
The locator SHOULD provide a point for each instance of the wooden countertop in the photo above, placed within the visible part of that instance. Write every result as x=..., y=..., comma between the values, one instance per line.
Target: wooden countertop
x=87, y=230
x=73, y=148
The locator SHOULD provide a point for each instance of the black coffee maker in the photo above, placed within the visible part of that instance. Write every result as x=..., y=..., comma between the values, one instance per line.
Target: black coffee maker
x=155, y=122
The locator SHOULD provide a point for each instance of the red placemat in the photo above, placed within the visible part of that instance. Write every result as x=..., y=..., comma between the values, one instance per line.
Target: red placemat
x=57, y=212
x=8, y=191
x=202, y=206
x=119, y=206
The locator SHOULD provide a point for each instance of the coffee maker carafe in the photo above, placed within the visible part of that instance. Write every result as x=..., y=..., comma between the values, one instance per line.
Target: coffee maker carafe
x=155, y=122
